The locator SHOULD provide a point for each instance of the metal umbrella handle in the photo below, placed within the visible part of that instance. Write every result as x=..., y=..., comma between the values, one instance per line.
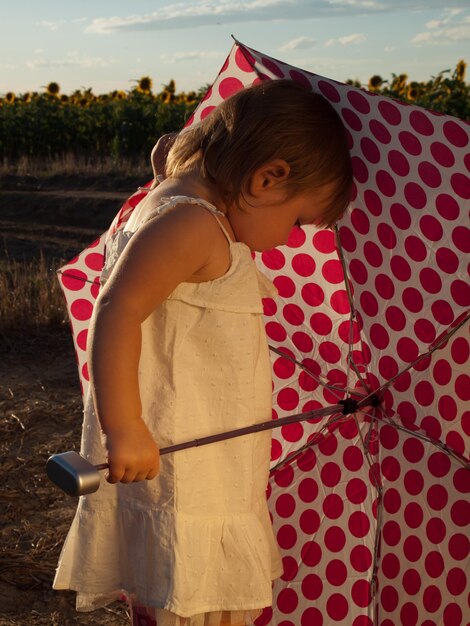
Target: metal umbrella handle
x=77, y=476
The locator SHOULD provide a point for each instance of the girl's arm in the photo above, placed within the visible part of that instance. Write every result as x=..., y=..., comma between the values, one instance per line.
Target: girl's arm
x=162, y=253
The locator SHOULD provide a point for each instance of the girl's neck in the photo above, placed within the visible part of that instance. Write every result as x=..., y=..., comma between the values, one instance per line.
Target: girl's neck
x=190, y=183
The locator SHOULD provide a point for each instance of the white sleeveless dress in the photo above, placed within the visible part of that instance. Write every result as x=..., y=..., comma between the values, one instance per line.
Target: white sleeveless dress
x=197, y=539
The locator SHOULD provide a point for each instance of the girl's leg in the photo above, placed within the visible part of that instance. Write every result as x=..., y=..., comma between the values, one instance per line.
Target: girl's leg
x=233, y=618
x=146, y=616
x=140, y=616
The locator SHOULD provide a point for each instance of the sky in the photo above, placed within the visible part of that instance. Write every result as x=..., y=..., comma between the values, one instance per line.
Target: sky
x=109, y=44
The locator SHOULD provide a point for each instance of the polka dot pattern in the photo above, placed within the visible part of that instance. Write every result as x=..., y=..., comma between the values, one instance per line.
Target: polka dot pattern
x=327, y=562
x=404, y=239
x=79, y=280
x=438, y=390
x=421, y=565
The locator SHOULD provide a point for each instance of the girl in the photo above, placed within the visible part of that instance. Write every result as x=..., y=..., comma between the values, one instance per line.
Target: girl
x=178, y=351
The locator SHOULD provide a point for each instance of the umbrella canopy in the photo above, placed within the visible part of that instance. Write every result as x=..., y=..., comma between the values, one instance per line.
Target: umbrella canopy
x=370, y=510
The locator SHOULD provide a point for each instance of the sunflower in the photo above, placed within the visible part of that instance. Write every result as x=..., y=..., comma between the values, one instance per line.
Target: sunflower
x=171, y=87
x=413, y=91
x=375, y=82
x=167, y=97
x=191, y=97
x=117, y=95
x=10, y=97
x=459, y=73
x=355, y=83
x=53, y=89
x=399, y=83
x=64, y=98
x=144, y=84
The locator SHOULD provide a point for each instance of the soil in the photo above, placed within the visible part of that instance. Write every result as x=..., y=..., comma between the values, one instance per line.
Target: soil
x=40, y=399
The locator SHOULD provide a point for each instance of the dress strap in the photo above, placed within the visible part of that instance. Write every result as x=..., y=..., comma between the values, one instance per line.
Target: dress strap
x=222, y=227
x=172, y=200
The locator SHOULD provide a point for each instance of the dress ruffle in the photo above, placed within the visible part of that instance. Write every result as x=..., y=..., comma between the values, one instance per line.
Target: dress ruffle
x=173, y=577
x=144, y=616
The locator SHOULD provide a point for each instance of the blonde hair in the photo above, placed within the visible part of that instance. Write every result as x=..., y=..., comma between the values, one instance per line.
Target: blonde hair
x=274, y=119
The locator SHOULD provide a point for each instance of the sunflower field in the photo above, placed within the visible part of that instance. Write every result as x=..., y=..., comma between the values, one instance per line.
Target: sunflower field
x=122, y=124
x=119, y=124
x=444, y=94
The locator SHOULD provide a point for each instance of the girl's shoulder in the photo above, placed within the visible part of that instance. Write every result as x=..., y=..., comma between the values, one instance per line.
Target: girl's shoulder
x=181, y=245
x=188, y=228
x=169, y=203
x=159, y=201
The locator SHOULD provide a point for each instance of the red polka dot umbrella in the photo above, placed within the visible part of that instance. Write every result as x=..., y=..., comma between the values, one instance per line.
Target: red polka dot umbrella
x=370, y=509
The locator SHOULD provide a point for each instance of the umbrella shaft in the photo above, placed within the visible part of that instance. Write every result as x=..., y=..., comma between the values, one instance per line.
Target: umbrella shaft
x=254, y=428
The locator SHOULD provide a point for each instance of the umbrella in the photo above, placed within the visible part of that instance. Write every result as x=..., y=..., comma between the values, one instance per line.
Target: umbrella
x=370, y=509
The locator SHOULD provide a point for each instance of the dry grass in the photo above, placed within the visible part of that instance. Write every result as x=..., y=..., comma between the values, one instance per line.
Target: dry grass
x=70, y=164
x=30, y=295
x=40, y=414
x=40, y=408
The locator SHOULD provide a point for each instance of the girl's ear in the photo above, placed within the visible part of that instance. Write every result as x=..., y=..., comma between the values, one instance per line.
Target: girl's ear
x=269, y=175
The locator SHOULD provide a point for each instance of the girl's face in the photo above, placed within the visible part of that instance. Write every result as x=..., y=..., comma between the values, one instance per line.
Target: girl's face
x=268, y=224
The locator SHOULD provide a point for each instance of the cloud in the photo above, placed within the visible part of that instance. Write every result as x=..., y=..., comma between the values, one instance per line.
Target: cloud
x=355, y=38
x=360, y=4
x=71, y=60
x=394, y=5
x=445, y=30
x=448, y=15
x=203, y=13
x=444, y=36
x=196, y=13
x=297, y=44
x=194, y=55
x=49, y=25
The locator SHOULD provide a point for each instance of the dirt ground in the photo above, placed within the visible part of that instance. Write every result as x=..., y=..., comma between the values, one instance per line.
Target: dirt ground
x=40, y=400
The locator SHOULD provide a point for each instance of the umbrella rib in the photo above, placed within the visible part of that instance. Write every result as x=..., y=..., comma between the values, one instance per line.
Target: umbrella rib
x=378, y=486
x=419, y=358
x=291, y=457
x=435, y=442
x=358, y=374
x=343, y=264
x=352, y=315
x=246, y=57
x=84, y=280
x=336, y=391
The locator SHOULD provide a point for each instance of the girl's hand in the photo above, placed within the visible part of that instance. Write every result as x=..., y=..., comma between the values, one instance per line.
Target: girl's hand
x=133, y=454
x=160, y=153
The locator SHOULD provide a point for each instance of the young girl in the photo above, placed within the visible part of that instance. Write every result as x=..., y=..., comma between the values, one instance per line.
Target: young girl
x=178, y=351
